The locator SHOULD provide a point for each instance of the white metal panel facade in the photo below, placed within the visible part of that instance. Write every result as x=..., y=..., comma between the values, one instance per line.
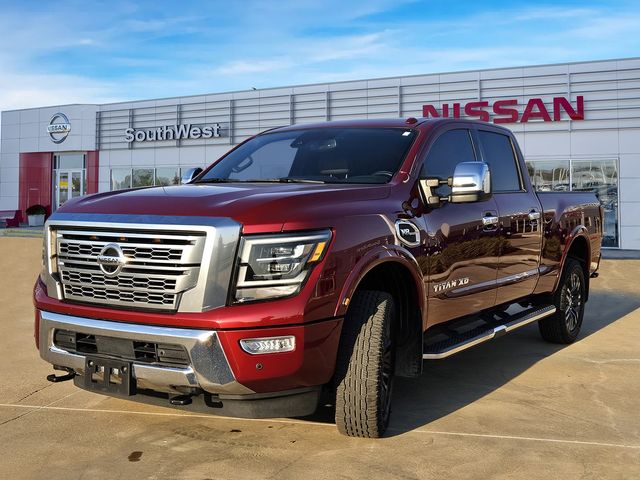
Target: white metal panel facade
x=25, y=131
x=610, y=131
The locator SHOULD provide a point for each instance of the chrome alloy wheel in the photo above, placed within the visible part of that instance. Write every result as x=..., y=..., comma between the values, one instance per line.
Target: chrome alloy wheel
x=572, y=301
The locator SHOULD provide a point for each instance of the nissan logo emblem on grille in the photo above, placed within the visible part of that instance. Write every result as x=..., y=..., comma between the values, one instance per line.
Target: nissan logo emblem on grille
x=111, y=259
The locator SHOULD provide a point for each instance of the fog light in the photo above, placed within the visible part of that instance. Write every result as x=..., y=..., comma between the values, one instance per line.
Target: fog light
x=256, y=346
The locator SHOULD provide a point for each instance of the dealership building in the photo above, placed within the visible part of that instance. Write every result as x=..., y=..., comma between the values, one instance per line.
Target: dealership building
x=578, y=125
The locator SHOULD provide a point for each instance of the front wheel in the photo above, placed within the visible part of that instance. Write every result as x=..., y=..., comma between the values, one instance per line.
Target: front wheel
x=564, y=325
x=365, y=366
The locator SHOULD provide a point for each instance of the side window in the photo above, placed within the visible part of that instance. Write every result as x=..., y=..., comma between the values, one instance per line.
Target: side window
x=449, y=150
x=502, y=162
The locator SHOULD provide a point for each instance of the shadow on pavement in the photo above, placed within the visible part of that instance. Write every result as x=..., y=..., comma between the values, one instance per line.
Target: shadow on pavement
x=451, y=384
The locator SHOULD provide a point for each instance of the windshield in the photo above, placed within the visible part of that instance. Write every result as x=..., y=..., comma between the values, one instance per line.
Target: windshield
x=329, y=155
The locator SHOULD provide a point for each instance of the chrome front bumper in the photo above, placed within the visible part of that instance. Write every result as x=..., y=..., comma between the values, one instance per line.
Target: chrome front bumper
x=208, y=369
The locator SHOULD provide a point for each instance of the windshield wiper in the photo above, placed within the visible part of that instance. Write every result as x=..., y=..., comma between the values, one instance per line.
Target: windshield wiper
x=298, y=180
x=280, y=180
x=215, y=180
x=259, y=180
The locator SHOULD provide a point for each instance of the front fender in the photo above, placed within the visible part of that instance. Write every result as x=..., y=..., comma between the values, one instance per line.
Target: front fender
x=374, y=258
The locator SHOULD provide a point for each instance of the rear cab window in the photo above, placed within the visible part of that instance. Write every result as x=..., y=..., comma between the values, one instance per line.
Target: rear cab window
x=448, y=150
x=499, y=154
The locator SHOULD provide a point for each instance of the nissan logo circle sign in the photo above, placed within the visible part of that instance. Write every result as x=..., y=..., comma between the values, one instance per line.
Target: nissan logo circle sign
x=59, y=128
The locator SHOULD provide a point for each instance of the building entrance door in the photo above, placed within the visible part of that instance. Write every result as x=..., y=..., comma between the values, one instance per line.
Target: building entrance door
x=69, y=184
x=69, y=178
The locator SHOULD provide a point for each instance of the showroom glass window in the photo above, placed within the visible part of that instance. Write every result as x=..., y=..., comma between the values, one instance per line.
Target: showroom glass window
x=122, y=178
x=69, y=161
x=166, y=176
x=142, y=177
x=599, y=176
x=550, y=175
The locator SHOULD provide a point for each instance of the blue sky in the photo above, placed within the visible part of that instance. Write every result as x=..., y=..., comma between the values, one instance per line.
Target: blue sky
x=60, y=51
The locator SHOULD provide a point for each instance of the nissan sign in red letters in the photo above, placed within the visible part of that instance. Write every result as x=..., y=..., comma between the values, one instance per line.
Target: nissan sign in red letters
x=506, y=111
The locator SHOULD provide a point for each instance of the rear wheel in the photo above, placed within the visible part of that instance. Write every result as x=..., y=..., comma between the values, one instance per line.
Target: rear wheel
x=564, y=325
x=366, y=366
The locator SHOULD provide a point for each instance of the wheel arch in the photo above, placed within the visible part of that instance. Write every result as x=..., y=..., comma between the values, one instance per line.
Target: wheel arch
x=578, y=248
x=396, y=272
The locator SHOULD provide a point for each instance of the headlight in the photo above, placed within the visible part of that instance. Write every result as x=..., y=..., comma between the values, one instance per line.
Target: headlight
x=272, y=266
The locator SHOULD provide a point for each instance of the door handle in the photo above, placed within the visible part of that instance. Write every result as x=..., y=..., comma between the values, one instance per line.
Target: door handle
x=489, y=220
x=534, y=215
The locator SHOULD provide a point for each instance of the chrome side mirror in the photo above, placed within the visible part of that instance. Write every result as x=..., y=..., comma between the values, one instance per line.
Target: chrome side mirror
x=190, y=174
x=471, y=182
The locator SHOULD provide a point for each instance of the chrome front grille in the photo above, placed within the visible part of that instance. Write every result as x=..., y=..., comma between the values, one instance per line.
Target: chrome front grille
x=120, y=296
x=134, y=252
x=159, y=266
x=153, y=253
x=151, y=283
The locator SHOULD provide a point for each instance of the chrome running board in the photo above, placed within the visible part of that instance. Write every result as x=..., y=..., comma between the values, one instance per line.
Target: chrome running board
x=462, y=341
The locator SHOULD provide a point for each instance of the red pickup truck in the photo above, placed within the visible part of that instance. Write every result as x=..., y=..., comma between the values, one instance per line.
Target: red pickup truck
x=312, y=260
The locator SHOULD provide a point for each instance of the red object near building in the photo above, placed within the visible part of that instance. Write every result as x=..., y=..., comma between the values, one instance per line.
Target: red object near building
x=36, y=178
x=310, y=259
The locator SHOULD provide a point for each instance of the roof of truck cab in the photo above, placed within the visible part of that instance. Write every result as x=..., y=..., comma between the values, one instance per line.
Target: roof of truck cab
x=407, y=122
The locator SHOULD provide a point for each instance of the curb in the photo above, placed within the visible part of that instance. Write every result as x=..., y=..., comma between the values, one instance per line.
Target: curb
x=21, y=232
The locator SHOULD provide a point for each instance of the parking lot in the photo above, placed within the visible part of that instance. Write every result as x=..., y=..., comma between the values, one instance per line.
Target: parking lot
x=513, y=408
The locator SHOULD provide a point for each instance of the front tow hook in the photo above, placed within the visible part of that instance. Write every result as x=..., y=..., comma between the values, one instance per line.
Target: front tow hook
x=181, y=400
x=62, y=378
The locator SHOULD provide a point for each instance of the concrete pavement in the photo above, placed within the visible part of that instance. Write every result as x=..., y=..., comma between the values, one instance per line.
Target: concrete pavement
x=513, y=408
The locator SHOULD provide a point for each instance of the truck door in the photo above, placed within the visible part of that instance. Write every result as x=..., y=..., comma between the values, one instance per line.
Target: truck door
x=461, y=255
x=520, y=212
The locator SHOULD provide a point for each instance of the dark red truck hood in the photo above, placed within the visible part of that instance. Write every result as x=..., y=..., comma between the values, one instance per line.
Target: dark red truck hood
x=259, y=207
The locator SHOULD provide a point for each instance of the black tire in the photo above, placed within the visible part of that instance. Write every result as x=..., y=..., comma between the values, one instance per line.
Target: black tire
x=564, y=325
x=365, y=366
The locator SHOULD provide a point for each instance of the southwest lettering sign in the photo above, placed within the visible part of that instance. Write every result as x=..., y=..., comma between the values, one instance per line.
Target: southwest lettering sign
x=172, y=132
x=506, y=111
